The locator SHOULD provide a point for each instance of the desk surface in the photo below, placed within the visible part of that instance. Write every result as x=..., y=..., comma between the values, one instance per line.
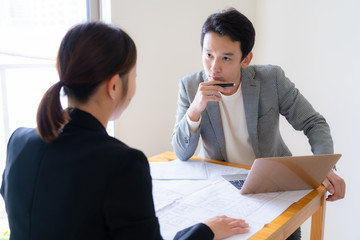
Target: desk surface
x=312, y=205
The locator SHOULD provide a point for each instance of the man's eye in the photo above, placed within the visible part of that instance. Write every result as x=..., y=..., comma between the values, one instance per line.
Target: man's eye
x=226, y=59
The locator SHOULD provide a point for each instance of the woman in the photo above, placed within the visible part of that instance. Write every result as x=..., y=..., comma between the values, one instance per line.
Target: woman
x=68, y=179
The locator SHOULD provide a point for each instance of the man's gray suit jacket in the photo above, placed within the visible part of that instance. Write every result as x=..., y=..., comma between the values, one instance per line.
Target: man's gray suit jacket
x=267, y=93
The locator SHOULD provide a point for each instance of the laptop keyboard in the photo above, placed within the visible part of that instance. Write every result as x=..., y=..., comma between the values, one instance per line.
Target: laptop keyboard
x=237, y=183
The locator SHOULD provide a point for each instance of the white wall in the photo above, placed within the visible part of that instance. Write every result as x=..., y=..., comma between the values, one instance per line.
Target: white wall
x=315, y=42
x=167, y=34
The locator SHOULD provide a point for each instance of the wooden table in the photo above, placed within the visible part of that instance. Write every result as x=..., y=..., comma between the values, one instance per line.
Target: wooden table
x=312, y=205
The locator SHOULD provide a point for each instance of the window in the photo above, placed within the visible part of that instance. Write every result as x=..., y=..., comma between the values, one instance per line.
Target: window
x=31, y=32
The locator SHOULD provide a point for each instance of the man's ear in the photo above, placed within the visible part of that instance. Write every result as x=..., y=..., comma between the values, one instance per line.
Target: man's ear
x=246, y=61
x=112, y=86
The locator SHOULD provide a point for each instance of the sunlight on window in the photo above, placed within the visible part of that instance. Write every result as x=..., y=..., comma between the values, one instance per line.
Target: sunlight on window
x=31, y=32
x=35, y=28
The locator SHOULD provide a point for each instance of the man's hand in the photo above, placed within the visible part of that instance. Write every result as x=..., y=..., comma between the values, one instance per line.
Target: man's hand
x=335, y=186
x=206, y=92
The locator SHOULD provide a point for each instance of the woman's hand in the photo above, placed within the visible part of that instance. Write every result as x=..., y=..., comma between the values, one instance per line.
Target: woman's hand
x=223, y=226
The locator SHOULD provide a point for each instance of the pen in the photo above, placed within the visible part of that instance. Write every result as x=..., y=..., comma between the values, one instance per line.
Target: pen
x=226, y=84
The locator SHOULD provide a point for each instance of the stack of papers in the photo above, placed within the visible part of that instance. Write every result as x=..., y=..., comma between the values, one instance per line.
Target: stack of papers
x=181, y=202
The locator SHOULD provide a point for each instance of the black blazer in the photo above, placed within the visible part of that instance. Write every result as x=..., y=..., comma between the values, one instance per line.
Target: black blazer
x=84, y=185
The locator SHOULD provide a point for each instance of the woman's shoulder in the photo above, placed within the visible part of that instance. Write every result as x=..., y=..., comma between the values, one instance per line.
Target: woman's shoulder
x=24, y=136
x=121, y=151
x=124, y=161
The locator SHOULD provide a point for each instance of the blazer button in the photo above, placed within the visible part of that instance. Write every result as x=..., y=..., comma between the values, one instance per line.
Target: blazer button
x=186, y=140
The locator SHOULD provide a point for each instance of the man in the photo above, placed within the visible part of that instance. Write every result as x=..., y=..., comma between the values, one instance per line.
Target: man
x=241, y=122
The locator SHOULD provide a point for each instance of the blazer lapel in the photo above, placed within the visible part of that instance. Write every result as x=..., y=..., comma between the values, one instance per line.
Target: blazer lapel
x=213, y=111
x=251, y=89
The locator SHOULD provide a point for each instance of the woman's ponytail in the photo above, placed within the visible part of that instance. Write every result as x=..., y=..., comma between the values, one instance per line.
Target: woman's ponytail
x=50, y=116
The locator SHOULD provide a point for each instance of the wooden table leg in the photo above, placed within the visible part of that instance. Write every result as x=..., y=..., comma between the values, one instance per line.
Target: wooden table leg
x=318, y=221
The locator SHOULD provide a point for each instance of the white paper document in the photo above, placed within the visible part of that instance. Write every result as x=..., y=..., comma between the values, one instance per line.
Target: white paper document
x=178, y=169
x=182, y=203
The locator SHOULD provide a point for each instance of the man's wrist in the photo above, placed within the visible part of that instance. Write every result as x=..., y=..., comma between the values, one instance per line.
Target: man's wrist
x=193, y=116
x=193, y=125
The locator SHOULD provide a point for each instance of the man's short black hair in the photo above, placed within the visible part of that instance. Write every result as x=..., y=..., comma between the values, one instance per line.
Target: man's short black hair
x=234, y=24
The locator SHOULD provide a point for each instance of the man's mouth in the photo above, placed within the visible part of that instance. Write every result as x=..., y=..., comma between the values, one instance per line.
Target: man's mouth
x=215, y=78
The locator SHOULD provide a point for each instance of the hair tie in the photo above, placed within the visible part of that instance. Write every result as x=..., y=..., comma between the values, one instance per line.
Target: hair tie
x=62, y=83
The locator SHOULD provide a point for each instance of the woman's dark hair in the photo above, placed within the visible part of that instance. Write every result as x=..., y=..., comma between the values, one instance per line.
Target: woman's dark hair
x=89, y=54
x=231, y=23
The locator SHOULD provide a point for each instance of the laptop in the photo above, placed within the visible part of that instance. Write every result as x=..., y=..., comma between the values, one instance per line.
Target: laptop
x=277, y=174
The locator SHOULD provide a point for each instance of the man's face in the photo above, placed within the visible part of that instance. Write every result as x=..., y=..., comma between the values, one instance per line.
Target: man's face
x=221, y=59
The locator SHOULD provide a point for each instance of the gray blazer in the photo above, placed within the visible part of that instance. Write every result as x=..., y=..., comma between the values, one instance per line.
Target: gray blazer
x=267, y=93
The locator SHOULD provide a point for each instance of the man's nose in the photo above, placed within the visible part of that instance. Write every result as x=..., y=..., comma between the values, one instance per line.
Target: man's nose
x=215, y=66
